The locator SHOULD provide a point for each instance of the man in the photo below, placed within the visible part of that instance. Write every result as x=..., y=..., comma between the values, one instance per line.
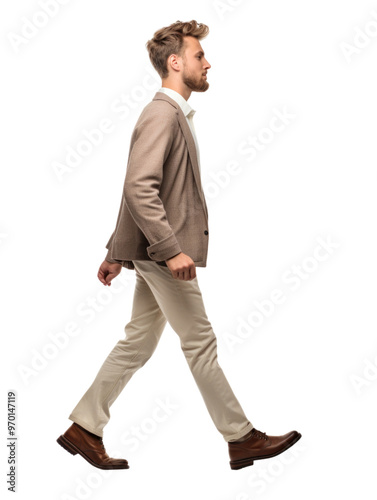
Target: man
x=162, y=234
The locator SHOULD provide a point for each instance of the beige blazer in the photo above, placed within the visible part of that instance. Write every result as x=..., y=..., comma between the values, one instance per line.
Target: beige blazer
x=163, y=210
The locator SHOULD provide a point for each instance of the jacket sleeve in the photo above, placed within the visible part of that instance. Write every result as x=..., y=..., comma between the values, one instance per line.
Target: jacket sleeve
x=108, y=246
x=153, y=138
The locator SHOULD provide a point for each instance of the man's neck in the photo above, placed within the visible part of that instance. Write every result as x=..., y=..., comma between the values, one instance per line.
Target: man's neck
x=184, y=91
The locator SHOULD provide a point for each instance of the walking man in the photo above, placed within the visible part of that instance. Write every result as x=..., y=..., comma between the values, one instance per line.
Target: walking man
x=162, y=234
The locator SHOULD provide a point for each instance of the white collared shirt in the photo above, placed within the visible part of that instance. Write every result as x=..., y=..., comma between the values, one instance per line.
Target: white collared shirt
x=187, y=111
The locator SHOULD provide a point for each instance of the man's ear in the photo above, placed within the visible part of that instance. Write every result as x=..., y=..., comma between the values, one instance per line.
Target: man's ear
x=174, y=62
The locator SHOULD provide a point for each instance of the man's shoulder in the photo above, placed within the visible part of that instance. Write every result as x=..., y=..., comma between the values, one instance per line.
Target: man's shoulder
x=161, y=104
x=158, y=110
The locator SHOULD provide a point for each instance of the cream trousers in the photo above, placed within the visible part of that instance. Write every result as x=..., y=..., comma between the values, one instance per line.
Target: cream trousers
x=160, y=298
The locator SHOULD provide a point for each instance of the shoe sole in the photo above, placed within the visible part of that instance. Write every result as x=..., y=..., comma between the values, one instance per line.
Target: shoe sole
x=71, y=448
x=246, y=462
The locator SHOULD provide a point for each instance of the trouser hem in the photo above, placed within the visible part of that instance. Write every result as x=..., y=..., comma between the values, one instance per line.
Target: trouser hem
x=85, y=425
x=239, y=434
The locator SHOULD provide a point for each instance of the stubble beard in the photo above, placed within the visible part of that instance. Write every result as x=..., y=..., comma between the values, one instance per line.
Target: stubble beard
x=196, y=85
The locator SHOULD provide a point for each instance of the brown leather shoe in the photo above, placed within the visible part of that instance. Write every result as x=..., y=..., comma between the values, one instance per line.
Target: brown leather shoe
x=76, y=439
x=258, y=446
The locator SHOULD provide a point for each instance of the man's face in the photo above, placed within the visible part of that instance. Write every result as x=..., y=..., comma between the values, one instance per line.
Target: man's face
x=195, y=65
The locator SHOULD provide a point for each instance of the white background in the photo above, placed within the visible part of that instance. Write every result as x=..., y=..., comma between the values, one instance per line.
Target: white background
x=310, y=365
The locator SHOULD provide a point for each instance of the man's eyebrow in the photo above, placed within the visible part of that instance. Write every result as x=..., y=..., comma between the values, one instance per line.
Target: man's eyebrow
x=200, y=53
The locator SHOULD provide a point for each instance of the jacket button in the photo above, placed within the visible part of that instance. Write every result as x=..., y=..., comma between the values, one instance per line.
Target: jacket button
x=206, y=232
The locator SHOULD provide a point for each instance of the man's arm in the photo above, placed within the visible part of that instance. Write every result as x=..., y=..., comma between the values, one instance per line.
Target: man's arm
x=154, y=135
x=108, y=245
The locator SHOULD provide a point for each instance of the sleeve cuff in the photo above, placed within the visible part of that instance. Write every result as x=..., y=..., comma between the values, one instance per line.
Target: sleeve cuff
x=164, y=249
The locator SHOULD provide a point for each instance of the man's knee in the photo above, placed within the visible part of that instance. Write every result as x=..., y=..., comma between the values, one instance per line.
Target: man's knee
x=201, y=349
x=136, y=350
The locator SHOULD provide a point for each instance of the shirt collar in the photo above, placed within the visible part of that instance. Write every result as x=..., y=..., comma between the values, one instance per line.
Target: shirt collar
x=184, y=105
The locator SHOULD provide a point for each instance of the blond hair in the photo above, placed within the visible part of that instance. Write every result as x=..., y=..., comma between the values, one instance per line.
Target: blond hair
x=169, y=40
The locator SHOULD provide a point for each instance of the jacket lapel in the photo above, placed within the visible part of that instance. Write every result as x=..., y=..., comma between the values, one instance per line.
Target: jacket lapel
x=190, y=144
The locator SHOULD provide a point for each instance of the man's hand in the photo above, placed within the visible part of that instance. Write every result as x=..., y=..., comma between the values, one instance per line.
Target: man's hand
x=108, y=271
x=182, y=267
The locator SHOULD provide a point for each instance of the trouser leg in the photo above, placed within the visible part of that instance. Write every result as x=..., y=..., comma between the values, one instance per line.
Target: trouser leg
x=143, y=332
x=182, y=304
